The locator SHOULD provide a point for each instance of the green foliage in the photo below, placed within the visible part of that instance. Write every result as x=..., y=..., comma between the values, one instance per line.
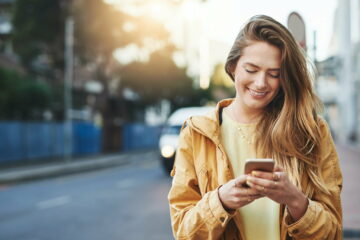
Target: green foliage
x=159, y=79
x=38, y=38
x=221, y=85
x=22, y=98
x=38, y=29
x=98, y=30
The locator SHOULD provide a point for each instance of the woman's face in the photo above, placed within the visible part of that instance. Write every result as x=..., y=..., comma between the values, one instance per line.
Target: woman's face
x=257, y=76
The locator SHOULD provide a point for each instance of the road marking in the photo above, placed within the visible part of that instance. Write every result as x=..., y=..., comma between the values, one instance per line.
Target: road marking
x=55, y=202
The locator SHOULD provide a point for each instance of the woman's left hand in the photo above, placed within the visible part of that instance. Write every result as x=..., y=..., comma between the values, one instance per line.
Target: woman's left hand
x=278, y=187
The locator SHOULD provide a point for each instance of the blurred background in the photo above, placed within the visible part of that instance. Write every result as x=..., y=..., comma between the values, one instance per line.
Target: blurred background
x=87, y=87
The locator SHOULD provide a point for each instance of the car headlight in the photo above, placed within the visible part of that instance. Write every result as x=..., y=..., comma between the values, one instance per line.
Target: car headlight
x=167, y=151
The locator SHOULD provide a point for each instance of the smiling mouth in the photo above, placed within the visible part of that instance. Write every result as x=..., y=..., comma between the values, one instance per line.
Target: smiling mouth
x=256, y=93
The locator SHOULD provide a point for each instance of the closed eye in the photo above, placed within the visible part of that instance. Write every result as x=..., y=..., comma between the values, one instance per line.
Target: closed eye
x=250, y=71
x=274, y=75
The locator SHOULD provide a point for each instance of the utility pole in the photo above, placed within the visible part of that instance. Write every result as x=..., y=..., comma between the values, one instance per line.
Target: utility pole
x=69, y=65
x=314, y=46
x=316, y=80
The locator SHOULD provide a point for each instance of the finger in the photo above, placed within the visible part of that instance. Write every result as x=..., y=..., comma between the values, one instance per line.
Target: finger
x=278, y=176
x=263, y=183
x=257, y=196
x=240, y=181
x=261, y=189
x=248, y=192
x=261, y=174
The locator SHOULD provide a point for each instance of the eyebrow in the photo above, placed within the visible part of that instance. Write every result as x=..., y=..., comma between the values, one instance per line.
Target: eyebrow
x=254, y=65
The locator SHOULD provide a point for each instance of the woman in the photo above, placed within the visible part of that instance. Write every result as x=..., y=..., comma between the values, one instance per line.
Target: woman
x=273, y=115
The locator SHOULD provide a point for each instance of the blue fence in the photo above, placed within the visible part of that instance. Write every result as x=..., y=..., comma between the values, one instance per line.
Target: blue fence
x=21, y=141
x=137, y=136
x=24, y=141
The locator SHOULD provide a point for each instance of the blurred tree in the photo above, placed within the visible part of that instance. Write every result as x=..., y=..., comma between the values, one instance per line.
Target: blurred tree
x=22, y=98
x=38, y=39
x=221, y=85
x=159, y=79
x=38, y=35
x=100, y=29
x=220, y=77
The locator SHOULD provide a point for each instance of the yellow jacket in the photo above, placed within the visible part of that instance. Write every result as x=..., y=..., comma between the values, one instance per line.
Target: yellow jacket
x=201, y=166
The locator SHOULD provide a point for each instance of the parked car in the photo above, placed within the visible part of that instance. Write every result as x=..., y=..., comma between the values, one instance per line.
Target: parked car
x=169, y=137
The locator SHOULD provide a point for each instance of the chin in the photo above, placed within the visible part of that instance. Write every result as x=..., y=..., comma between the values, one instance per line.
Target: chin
x=257, y=105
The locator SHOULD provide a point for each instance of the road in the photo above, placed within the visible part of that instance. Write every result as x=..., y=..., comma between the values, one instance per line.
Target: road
x=127, y=202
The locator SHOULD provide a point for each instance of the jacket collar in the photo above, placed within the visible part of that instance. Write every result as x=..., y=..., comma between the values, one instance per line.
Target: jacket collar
x=209, y=125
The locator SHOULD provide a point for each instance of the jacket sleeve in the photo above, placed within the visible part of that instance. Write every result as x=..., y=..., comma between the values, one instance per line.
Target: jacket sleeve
x=193, y=216
x=323, y=218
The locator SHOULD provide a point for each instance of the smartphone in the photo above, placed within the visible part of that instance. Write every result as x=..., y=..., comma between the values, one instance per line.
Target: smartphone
x=259, y=164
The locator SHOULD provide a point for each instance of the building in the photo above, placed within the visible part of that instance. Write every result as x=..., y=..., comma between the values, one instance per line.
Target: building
x=342, y=70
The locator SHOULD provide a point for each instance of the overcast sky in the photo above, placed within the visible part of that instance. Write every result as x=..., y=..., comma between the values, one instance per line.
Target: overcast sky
x=317, y=14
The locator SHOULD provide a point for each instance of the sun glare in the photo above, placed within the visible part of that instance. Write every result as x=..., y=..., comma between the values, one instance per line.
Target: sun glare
x=157, y=9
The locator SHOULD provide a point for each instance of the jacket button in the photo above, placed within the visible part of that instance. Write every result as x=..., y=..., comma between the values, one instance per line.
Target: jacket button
x=295, y=231
x=222, y=219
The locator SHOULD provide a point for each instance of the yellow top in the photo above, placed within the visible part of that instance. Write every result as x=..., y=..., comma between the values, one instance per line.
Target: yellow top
x=261, y=217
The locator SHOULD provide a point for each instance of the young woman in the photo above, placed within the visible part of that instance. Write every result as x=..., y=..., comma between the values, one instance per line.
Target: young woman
x=274, y=115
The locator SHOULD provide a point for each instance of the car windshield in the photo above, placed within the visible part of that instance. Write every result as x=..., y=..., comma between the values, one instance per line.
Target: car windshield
x=172, y=130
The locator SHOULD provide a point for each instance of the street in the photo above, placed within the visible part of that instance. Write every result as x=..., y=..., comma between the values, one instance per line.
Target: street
x=123, y=202
x=127, y=202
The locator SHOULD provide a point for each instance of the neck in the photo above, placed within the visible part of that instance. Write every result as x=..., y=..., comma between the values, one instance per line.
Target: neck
x=243, y=115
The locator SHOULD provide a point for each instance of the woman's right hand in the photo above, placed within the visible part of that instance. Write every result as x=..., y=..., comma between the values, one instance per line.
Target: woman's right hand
x=235, y=194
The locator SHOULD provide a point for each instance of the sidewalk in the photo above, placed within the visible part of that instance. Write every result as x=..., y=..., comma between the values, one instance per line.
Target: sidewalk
x=76, y=165
x=350, y=166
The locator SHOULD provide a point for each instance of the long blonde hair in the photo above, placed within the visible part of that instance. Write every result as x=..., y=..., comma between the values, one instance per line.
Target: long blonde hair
x=289, y=127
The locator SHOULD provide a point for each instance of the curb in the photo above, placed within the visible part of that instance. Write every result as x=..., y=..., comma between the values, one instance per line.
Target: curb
x=65, y=168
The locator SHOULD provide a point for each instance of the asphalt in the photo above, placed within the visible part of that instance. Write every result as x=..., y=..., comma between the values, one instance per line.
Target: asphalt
x=349, y=162
x=350, y=195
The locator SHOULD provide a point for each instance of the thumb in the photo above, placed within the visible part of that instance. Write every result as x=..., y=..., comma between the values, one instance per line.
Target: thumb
x=240, y=180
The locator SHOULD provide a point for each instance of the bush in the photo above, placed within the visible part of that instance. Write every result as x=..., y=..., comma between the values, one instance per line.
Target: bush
x=22, y=98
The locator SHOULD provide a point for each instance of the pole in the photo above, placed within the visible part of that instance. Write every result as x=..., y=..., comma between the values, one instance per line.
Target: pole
x=69, y=55
x=314, y=46
x=315, y=63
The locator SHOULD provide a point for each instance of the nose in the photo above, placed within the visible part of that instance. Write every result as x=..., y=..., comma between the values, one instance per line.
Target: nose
x=260, y=81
